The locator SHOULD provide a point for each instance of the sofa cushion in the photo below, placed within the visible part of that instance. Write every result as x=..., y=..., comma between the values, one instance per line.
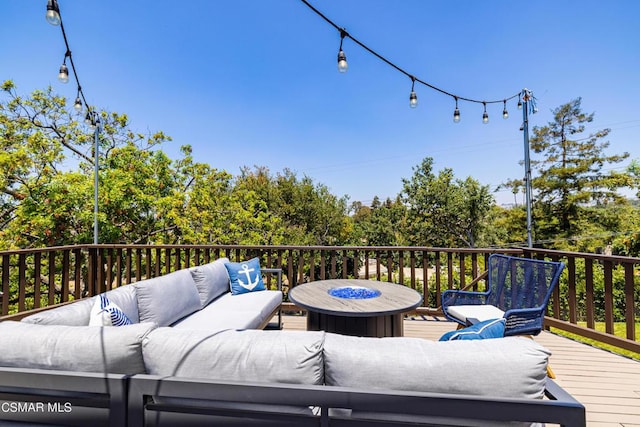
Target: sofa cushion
x=493, y=328
x=165, y=299
x=245, y=276
x=73, y=314
x=213, y=320
x=506, y=367
x=78, y=313
x=480, y=312
x=265, y=302
x=74, y=348
x=212, y=280
x=293, y=357
x=107, y=313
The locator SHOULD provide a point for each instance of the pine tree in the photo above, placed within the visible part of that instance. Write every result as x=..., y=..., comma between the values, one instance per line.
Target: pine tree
x=571, y=178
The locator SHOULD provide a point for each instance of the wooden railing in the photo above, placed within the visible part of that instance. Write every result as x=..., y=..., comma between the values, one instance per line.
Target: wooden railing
x=593, y=288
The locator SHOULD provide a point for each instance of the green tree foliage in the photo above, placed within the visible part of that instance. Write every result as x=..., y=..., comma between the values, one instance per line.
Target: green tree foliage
x=46, y=182
x=309, y=213
x=444, y=211
x=381, y=224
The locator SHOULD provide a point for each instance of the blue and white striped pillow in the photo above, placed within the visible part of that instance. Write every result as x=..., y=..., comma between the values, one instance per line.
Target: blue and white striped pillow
x=107, y=313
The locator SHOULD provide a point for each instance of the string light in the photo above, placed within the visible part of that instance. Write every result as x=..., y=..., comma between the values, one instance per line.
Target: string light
x=505, y=113
x=53, y=12
x=456, y=112
x=342, y=58
x=413, y=98
x=63, y=75
x=519, y=101
x=54, y=17
x=342, y=67
x=78, y=104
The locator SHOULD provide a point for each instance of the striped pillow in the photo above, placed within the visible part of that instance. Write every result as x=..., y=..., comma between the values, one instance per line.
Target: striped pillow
x=107, y=313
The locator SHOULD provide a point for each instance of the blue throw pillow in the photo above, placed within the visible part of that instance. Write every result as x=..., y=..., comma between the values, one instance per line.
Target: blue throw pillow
x=245, y=276
x=107, y=313
x=492, y=328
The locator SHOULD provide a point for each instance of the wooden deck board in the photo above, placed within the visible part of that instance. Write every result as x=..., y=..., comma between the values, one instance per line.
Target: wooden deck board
x=607, y=384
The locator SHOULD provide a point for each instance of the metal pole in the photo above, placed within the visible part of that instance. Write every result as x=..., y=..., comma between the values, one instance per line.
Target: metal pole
x=95, y=180
x=526, y=96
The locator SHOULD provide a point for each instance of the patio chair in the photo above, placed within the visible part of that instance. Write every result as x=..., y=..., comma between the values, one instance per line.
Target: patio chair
x=517, y=289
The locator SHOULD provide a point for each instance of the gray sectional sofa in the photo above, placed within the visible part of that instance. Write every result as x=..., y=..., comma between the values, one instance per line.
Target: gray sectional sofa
x=194, y=298
x=179, y=364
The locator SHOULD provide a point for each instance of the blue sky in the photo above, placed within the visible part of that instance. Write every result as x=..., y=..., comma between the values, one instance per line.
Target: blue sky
x=255, y=82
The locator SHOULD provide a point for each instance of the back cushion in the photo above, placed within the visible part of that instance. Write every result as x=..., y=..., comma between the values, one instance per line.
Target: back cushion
x=74, y=348
x=73, y=314
x=211, y=280
x=293, y=357
x=125, y=297
x=77, y=313
x=504, y=367
x=167, y=298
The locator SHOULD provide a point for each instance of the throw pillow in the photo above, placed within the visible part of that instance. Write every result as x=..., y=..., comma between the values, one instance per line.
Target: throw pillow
x=107, y=313
x=245, y=276
x=492, y=328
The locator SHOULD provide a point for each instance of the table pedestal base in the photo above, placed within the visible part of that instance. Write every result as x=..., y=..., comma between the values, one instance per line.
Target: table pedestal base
x=378, y=326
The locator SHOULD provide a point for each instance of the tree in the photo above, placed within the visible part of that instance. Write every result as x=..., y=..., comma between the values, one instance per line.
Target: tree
x=381, y=224
x=46, y=175
x=570, y=175
x=444, y=211
x=310, y=213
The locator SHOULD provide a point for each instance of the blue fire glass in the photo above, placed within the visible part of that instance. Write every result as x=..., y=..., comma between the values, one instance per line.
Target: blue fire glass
x=354, y=292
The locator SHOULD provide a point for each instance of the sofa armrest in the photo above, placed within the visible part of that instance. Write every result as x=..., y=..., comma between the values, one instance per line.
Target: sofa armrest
x=277, y=271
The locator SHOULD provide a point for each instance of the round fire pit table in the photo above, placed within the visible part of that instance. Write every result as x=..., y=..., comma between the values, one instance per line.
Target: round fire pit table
x=364, y=308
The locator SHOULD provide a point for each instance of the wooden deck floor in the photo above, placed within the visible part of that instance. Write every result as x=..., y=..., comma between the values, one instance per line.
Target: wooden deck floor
x=607, y=384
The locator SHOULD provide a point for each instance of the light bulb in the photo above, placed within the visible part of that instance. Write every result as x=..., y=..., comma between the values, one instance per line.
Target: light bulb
x=456, y=115
x=78, y=104
x=413, y=100
x=63, y=76
x=505, y=114
x=485, y=118
x=519, y=104
x=342, y=62
x=53, y=13
x=87, y=118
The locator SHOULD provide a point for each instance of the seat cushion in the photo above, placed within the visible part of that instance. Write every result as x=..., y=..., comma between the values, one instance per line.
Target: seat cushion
x=74, y=348
x=211, y=280
x=293, y=357
x=166, y=299
x=264, y=302
x=216, y=320
x=479, y=312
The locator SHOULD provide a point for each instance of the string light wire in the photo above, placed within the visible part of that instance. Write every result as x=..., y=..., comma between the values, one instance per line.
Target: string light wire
x=345, y=34
x=53, y=6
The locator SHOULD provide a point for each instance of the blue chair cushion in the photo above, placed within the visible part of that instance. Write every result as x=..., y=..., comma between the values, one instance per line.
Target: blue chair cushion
x=492, y=328
x=107, y=313
x=245, y=276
